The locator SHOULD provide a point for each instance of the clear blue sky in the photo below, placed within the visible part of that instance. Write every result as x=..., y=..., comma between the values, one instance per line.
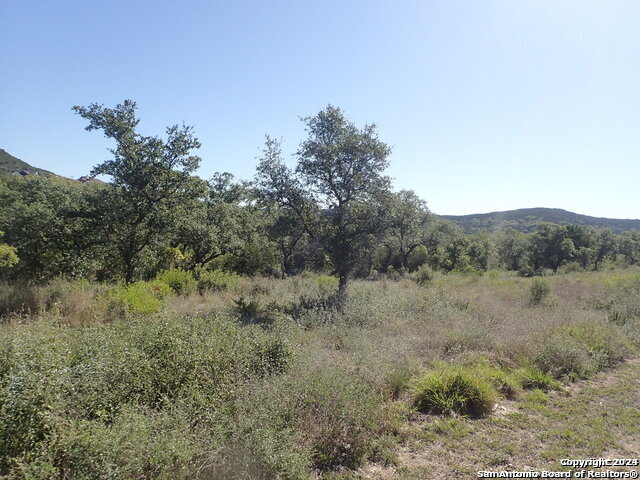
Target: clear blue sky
x=489, y=105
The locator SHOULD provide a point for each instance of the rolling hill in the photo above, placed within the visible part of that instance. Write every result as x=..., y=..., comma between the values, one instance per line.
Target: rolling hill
x=10, y=164
x=526, y=219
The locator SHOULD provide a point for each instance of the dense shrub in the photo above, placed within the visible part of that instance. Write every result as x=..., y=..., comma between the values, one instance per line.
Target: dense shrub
x=424, y=275
x=140, y=297
x=217, y=280
x=130, y=399
x=336, y=419
x=538, y=291
x=454, y=389
x=180, y=281
x=578, y=351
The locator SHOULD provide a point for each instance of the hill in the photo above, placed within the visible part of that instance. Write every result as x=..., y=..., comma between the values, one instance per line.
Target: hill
x=526, y=219
x=10, y=164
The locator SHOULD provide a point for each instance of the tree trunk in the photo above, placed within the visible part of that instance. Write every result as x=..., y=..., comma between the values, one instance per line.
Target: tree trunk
x=341, y=296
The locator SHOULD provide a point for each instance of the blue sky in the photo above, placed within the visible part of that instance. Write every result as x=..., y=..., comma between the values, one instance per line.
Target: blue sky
x=488, y=105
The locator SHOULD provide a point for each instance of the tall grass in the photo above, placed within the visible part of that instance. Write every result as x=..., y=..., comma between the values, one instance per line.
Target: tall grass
x=263, y=378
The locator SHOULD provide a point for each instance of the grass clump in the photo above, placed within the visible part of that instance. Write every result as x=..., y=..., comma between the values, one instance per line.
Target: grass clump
x=454, y=390
x=531, y=378
x=503, y=381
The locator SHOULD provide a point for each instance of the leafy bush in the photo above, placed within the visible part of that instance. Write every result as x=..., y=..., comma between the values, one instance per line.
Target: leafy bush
x=180, y=281
x=454, y=389
x=424, y=275
x=217, y=280
x=135, y=399
x=141, y=297
x=417, y=258
x=327, y=284
x=538, y=291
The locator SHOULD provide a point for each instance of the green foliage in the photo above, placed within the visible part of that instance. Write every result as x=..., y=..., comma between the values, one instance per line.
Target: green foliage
x=417, y=258
x=424, y=276
x=505, y=382
x=342, y=166
x=283, y=199
x=578, y=351
x=454, y=390
x=217, y=280
x=406, y=217
x=180, y=281
x=150, y=182
x=563, y=357
x=605, y=345
x=248, y=310
x=52, y=222
x=551, y=246
x=138, y=298
x=143, y=397
x=8, y=256
x=539, y=290
x=533, y=378
x=327, y=284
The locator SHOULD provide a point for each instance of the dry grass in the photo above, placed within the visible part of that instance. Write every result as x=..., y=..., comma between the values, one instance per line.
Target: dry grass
x=346, y=392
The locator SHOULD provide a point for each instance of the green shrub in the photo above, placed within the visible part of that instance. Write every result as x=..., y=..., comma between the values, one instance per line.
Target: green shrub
x=134, y=399
x=180, y=281
x=578, y=351
x=538, y=291
x=454, y=389
x=217, y=280
x=424, y=275
x=563, y=357
x=248, y=310
x=605, y=344
x=141, y=297
x=327, y=284
x=417, y=258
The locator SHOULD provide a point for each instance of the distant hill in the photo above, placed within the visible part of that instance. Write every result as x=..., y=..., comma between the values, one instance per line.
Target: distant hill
x=526, y=219
x=10, y=164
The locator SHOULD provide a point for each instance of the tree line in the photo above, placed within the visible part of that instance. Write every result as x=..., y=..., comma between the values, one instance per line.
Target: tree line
x=335, y=211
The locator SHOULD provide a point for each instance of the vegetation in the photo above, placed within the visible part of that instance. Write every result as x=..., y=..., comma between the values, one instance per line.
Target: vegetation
x=526, y=220
x=164, y=326
x=140, y=380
